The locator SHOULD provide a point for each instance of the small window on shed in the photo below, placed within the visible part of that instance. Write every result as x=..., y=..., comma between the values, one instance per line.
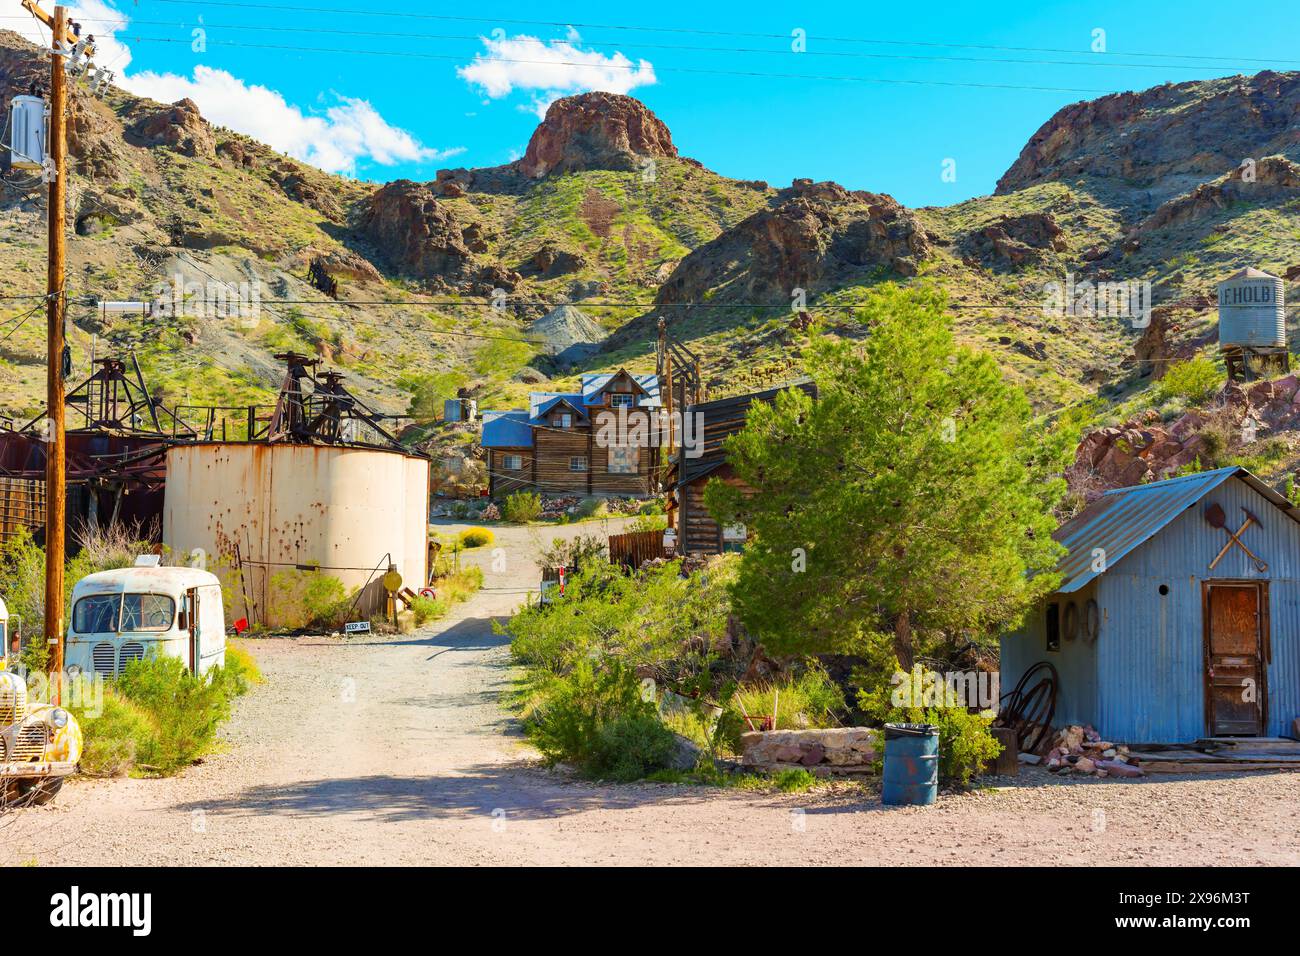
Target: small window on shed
x=1053, y=626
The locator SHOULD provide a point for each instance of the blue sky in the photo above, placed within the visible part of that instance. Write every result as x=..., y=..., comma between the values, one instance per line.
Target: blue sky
x=453, y=92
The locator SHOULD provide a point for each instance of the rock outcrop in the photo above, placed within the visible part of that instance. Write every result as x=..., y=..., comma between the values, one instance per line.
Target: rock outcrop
x=1149, y=147
x=1148, y=449
x=1016, y=240
x=595, y=131
x=819, y=234
x=415, y=233
x=179, y=127
x=1271, y=179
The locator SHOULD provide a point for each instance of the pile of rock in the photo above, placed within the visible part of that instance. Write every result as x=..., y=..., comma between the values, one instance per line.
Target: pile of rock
x=1082, y=750
x=836, y=750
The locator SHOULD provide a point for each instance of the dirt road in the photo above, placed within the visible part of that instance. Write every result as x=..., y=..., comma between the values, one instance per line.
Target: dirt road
x=396, y=751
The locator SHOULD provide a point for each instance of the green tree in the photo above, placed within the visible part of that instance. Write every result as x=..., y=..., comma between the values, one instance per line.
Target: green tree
x=909, y=496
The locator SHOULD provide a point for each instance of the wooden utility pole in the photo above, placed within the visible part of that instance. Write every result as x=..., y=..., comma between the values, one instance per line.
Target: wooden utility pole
x=55, y=450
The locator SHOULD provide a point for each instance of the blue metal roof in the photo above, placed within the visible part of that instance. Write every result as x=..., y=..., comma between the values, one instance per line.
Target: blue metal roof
x=1123, y=519
x=506, y=430
x=592, y=383
x=541, y=403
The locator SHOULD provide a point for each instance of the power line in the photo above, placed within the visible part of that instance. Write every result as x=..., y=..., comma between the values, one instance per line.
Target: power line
x=690, y=31
x=851, y=54
x=634, y=67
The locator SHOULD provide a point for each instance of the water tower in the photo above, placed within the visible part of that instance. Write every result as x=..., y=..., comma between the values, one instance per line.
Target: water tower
x=1252, y=323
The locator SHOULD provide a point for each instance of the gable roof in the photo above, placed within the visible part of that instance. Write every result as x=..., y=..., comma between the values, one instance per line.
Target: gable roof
x=721, y=419
x=593, y=384
x=541, y=404
x=506, y=430
x=1121, y=520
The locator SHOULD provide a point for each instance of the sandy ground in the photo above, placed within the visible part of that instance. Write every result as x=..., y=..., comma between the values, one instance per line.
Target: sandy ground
x=396, y=751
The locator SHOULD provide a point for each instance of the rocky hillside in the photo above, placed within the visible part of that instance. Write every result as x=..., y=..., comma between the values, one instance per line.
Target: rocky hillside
x=603, y=226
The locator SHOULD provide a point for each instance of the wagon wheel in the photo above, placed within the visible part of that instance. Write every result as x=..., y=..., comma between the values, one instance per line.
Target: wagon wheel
x=1030, y=711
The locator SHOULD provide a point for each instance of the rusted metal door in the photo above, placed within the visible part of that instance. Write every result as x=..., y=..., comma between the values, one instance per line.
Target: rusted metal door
x=1235, y=643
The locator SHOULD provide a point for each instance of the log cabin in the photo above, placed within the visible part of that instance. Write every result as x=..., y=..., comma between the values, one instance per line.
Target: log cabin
x=599, y=440
x=686, y=476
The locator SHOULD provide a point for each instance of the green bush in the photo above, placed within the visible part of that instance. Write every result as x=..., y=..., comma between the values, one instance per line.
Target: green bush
x=157, y=718
x=965, y=743
x=185, y=710
x=428, y=609
x=522, y=507
x=1194, y=380
x=597, y=720
x=476, y=537
x=810, y=699
x=305, y=599
x=113, y=738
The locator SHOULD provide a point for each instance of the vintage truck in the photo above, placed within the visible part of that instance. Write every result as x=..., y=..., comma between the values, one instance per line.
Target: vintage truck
x=40, y=744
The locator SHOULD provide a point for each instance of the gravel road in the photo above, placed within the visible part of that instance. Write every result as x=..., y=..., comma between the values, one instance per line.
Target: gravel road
x=395, y=750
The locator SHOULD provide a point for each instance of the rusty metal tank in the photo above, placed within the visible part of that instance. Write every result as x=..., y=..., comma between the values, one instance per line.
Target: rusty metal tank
x=283, y=509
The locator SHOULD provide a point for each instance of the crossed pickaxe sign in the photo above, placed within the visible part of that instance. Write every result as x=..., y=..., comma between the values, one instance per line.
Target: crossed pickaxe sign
x=1215, y=516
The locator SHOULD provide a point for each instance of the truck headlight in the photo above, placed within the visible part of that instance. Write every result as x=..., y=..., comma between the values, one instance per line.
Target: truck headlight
x=58, y=718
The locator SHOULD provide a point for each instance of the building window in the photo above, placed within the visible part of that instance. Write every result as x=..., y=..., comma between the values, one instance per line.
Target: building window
x=566, y=421
x=620, y=400
x=1053, y=628
x=623, y=459
x=578, y=463
x=513, y=462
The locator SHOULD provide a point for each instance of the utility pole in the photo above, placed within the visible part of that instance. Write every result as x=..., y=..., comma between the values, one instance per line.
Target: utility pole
x=55, y=450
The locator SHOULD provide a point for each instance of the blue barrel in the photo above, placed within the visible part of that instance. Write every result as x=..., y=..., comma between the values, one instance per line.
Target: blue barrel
x=911, y=764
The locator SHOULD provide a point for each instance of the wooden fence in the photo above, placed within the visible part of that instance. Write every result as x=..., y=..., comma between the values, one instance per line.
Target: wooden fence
x=22, y=505
x=636, y=548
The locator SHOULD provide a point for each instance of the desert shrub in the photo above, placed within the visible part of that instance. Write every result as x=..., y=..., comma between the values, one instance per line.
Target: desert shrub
x=428, y=609
x=522, y=507
x=592, y=508
x=239, y=672
x=185, y=710
x=1194, y=380
x=576, y=553
x=476, y=537
x=649, y=523
x=597, y=720
x=115, y=730
x=309, y=599
x=810, y=699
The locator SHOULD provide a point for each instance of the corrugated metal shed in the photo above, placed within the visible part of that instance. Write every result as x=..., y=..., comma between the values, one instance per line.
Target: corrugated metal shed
x=1144, y=678
x=1121, y=520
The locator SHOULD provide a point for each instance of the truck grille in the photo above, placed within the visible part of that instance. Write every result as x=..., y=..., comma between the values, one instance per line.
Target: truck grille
x=131, y=651
x=30, y=741
x=105, y=658
x=13, y=699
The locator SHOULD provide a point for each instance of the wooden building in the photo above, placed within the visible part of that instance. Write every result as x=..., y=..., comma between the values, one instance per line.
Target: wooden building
x=706, y=426
x=600, y=440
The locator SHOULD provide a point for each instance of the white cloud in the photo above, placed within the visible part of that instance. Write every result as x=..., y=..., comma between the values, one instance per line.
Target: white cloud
x=347, y=132
x=554, y=68
x=336, y=139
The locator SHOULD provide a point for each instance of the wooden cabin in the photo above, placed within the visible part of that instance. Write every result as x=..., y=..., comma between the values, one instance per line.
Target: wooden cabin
x=601, y=440
x=686, y=476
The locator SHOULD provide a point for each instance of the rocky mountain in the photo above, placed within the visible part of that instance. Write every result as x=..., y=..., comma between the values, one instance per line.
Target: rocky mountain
x=1176, y=186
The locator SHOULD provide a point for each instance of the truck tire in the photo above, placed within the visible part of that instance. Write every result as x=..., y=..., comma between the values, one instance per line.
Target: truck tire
x=38, y=791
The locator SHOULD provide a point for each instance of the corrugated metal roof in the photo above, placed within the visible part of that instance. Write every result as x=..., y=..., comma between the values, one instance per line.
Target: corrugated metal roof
x=593, y=382
x=1121, y=520
x=506, y=430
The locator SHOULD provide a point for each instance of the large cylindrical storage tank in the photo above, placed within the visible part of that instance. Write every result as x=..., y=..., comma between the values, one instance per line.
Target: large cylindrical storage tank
x=1252, y=310
x=276, y=509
